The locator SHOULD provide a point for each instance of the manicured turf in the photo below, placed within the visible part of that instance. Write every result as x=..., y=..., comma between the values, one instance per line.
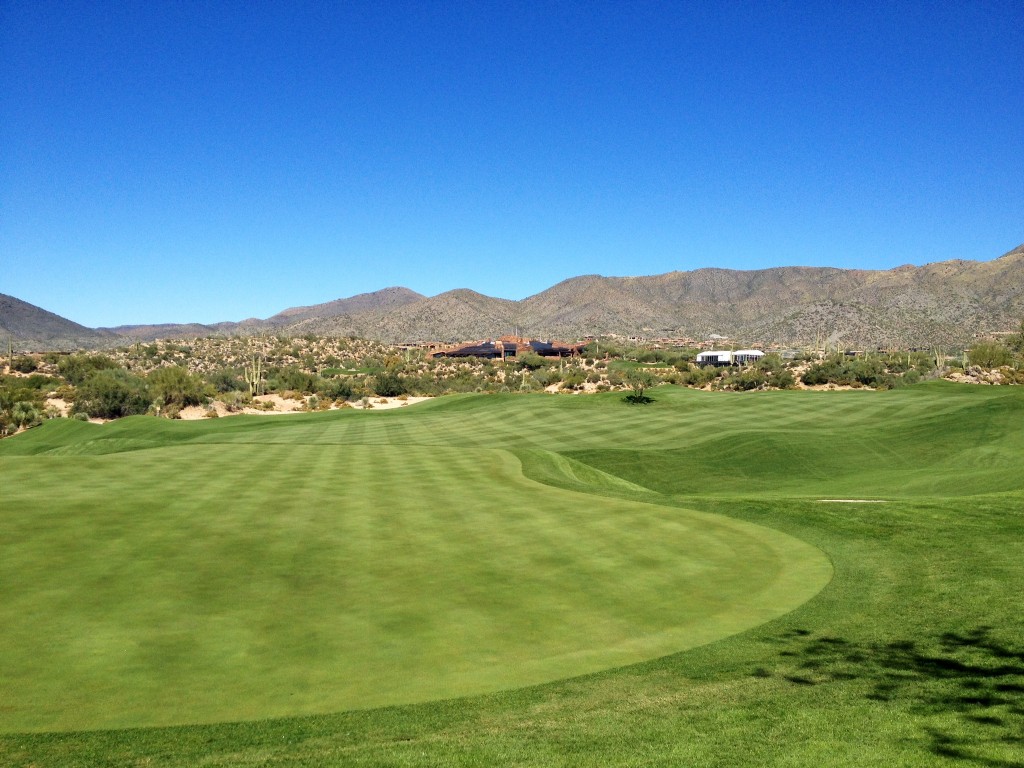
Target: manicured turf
x=256, y=567
x=207, y=583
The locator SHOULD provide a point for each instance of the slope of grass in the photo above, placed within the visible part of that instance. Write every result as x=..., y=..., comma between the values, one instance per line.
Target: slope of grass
x=912, y=655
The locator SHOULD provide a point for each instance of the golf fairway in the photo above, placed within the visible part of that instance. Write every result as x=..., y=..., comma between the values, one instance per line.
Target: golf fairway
x=210, y=582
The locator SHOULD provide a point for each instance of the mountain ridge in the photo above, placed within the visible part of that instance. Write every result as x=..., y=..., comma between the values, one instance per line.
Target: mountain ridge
x=934, y=305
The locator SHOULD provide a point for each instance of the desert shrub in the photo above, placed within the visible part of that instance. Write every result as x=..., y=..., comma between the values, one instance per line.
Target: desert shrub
x=236, y=401
x=573, y=379
x=334, y=389
x=990, y=355
x=547, y=376
x=775, y=372
x=293, y=378
x=902, y=362
x=371, y=363
x=112, y=393
x=784, y=379
x=695, y=376
x=745, y=380
x=76, y=368
x=1015, y=342
x=65, y=392
x=24, y=414
x=388, y=384
x=22, y=401
x=531, y=361
x=24, y=364
x=175, y=386
x=839, y=369
x=1012, y=376
x=226, y=380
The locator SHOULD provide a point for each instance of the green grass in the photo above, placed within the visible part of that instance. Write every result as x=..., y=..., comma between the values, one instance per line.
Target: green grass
x=272, y=571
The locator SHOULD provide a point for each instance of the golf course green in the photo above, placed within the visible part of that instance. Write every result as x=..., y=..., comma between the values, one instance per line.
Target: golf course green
x=522, y=579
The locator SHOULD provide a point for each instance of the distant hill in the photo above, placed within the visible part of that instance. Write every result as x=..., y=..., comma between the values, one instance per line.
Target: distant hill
x=30, y=328
x=382, y=300
x=290, y=321
x=943, y=304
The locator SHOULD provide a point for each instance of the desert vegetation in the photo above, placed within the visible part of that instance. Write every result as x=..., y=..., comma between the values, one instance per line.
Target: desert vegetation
x=234, y=374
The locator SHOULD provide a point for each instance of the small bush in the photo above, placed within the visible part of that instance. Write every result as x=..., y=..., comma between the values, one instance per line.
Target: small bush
x=990, y=355
x=24, y=364
x=174, y=385
x=111, y=394
x=388, y=384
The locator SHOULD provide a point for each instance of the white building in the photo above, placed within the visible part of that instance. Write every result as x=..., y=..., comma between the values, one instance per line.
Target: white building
x=728, y=357
x=744, y=356
x=715, y=357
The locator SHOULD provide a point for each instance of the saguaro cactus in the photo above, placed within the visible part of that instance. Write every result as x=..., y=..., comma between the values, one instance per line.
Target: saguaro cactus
x=254, y=375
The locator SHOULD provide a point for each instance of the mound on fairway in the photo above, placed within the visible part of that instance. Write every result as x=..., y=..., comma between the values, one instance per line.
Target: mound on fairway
x=217, y=582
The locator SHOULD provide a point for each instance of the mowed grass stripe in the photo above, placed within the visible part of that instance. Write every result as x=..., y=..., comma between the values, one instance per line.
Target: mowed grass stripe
x=227, y=583
x=908, y=657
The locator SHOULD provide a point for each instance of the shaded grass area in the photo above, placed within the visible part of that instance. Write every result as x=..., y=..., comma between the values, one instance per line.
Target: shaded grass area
x=911, y=656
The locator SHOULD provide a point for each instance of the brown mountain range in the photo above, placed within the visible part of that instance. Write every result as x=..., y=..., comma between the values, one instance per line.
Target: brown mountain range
x=943, y=304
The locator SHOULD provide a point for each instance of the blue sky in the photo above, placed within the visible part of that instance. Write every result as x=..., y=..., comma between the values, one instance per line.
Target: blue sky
x=196, y=161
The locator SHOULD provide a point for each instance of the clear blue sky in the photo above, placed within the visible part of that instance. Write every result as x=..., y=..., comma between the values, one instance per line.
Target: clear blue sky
x=197, y=161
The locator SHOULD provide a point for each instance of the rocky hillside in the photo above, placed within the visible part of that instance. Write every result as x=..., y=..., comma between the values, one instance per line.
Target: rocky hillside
x=384, y=300
x=29, y=328
x=945, y=304
x=942, y=304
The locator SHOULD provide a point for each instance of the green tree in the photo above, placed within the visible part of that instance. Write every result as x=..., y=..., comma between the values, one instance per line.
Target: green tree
x=531, y=361
x=24, y=364
x=639, y=381
x=112, y=393
x=990, y=354
x=226, y=380
x=339, y=388
x=175, y=386
x=25, y=414
x=77, y=368
x=292, y=378
x=388, y=384
x=1016, y=341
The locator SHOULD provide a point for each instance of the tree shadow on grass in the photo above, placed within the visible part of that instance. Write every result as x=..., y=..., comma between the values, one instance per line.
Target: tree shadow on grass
x=635, y=399
x=968, y=675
